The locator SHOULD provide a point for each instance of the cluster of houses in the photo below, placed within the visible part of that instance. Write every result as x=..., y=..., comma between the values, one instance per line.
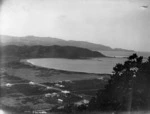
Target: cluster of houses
x=54, y=94
x=59, y=85
x=45, y=111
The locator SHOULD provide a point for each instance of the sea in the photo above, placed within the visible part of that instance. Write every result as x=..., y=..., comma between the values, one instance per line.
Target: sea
x=93, y=65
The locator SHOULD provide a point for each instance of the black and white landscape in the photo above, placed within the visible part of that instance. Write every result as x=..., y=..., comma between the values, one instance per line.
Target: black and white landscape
x=75, y=57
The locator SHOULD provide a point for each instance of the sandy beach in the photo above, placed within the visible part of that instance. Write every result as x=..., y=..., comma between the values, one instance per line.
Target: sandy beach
x=38, y=74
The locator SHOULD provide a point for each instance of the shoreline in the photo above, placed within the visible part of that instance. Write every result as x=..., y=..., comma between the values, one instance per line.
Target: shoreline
x=26, y=62
x=38, y=74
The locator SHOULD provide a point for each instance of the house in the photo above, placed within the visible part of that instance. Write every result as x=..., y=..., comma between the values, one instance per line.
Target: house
x=8, y=84
x=84, y=101
x=48, y=94
x=60, y=101
x=32, y=83
x=65, y=92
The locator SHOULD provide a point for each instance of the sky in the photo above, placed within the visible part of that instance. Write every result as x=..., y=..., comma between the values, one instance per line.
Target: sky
x=115, y=23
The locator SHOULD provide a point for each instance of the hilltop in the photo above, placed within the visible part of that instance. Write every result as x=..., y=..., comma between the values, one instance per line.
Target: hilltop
x=48, y=52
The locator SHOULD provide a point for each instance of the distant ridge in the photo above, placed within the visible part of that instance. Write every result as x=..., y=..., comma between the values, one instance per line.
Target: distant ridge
x=48, y=41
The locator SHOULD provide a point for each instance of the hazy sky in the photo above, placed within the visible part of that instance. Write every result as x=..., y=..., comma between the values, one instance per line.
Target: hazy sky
x=116, y=23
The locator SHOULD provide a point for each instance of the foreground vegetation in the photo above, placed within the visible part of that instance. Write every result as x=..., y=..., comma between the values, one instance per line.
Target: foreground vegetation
x=128, y=90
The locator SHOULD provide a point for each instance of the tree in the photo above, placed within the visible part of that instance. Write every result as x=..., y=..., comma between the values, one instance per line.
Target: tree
x=128, y=89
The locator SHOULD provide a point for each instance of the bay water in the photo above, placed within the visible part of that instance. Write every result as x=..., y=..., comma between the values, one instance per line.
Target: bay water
x=95, y=65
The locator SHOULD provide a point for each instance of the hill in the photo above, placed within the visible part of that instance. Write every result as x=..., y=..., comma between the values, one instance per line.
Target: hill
x=48, y=41
x=48, y=52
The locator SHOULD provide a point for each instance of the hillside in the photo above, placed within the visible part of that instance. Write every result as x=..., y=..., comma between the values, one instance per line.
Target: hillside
x=48, y=41
x=48, y=52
